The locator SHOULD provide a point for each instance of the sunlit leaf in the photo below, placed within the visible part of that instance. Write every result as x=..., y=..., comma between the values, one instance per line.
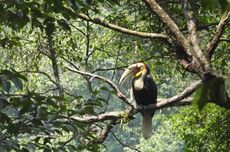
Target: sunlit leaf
x=6, y=85
x=10, y=111
x=18, y=83
x=64, y=25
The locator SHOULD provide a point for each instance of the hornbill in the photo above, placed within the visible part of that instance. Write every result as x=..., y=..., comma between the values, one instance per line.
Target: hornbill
x=144, y=90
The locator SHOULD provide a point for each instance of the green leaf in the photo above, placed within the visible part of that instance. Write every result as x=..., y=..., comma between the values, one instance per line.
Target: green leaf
x=10, y=111
x=64, y=25
x=6, y=85
x=18, y=83
x=36, y=23
x=69, y=128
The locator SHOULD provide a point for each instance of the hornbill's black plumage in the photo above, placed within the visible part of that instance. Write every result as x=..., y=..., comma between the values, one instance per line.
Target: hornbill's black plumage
x=145, y=93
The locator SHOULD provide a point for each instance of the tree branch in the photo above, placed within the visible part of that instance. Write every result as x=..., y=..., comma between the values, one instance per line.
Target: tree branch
x=217, y=35
x=104, y=133
x=198, y=57
x=40, y=72
x=115, y=87
x=192, y=33
x=123, y=144
x=99, y=118
x=122, y=29
x=165, y=18
x=175, y=100
x=225, y=40
x=109, y=69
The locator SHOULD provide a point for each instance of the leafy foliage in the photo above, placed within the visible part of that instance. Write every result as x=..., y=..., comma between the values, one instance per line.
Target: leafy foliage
x=207, y=130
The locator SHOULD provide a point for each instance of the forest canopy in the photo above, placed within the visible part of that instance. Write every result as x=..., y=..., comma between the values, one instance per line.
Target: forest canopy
x=61, y=61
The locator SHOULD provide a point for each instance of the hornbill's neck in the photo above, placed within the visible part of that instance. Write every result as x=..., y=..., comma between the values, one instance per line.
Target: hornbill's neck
x=138, y=82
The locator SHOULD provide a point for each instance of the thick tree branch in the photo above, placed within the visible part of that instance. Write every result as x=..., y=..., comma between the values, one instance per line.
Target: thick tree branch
x=198, y=57
x=217, y=35
x=122, y=29
x=180, y=96
x=192, y=32
x=177, y=99
x=165, y=18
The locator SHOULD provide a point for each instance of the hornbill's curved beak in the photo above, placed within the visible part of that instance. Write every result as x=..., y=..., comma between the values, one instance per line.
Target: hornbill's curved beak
x=130, y=71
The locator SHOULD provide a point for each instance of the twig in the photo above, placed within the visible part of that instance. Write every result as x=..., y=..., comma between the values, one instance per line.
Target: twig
x=123, y=144
x=109, y=69
x=39, y=72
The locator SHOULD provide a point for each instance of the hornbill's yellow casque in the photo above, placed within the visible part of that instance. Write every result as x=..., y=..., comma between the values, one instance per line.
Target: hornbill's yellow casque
x=145, y=92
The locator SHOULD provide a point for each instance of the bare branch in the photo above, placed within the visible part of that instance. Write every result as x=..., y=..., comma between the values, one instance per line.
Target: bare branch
x=109, y=69
x=114, y=86
x=123, y=144
x=122, y=29
x=40, y=72
x=217, y=35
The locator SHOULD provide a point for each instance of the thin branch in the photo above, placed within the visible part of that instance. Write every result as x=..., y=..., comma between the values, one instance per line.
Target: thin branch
x=110, y=39
x=217, y=35
x=123, y=144
x=225, y=40
x=71, y=63
x=109, y=69
x=111, y=84
x=39, y=72
x=122, y=29
x=81, y=31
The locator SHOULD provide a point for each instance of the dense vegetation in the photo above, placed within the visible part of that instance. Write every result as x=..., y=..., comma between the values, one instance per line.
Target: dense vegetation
x=61, y=61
